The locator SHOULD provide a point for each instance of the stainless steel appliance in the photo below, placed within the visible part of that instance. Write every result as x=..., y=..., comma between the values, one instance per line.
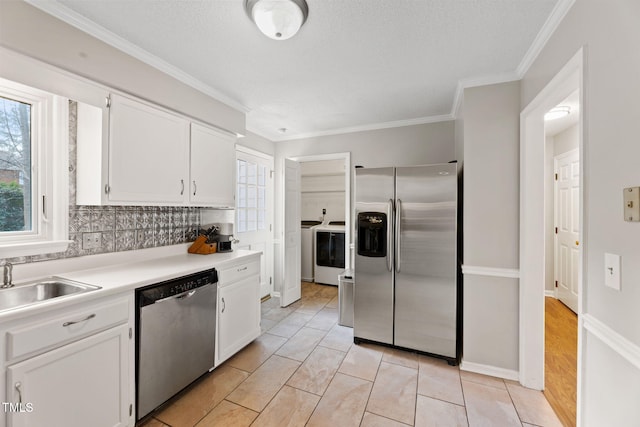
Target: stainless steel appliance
x=406, y=290
x=176, y=323
x=224, y=237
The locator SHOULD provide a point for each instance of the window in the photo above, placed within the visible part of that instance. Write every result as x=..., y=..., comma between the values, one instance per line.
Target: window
x=33, y=171
x=251, y=196
x=15, y=165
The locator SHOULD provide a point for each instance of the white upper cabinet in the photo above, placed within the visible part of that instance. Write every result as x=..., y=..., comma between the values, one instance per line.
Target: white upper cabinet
x=135, y=153
x=148, y=150
x=213, y=156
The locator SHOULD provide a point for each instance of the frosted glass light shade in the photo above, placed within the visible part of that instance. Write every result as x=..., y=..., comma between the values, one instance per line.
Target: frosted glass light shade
x=278, y=19
x=557, y=112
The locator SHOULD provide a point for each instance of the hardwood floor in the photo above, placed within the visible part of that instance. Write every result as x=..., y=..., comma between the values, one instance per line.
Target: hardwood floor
x=561, y=347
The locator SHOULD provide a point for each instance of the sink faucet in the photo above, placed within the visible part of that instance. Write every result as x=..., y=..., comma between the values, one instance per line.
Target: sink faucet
x=8, y=268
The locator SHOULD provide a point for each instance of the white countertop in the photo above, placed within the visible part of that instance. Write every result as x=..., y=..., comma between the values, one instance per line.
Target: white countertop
x=127, y=276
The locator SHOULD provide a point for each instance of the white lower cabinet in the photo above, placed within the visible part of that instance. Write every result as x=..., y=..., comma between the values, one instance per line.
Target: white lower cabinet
x=71, y=367
x=79, y=384
x=238, y=309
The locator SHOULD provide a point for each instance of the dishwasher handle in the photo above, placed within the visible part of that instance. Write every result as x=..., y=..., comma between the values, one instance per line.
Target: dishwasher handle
x=183, y=295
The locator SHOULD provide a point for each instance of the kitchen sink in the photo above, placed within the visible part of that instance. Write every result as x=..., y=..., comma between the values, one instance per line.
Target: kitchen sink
x=40, y=291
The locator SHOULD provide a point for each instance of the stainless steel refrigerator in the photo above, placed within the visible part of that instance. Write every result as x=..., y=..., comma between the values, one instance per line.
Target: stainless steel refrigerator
x=406, y=262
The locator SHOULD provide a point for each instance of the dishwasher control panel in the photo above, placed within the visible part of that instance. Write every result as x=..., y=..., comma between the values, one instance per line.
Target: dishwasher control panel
x=158, y=291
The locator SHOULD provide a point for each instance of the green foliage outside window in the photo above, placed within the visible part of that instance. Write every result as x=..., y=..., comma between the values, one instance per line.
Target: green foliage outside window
x=11, y=207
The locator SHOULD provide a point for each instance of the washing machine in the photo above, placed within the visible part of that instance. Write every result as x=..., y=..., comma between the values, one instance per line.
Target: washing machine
x=329, y=257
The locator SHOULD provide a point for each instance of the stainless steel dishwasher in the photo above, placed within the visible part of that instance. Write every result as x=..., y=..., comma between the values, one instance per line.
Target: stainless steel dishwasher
x=176, y=323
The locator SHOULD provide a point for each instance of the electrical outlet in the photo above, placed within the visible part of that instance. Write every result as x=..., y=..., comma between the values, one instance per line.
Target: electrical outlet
x=139, y=236
x=91, y=240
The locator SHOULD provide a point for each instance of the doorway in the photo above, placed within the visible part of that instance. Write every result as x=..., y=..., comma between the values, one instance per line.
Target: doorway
x=534, y=268
x=562, y=211
x=325, y=196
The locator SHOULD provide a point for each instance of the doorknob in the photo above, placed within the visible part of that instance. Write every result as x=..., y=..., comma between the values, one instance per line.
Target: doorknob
x=577, y=243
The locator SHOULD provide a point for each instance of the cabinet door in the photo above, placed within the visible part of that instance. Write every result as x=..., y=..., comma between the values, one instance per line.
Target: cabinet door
x=238, y=316
x=148, y=154
x=213, y=157
x=81, y=384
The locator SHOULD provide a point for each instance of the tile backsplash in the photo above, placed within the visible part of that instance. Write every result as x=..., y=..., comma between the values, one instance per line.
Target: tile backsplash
x=121, y=228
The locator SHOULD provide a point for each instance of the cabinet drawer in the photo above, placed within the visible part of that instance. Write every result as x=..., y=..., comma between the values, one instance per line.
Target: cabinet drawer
x=65, y=327
x=230, y=275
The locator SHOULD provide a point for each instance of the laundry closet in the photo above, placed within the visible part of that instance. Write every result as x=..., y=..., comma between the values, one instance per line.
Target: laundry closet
x=323, y=220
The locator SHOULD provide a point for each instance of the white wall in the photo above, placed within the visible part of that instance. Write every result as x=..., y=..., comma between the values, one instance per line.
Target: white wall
x=29, y=31
x=322, y=185
x=459, y=135
x=491, y=233
x=609, y=32
x=258, y=143
x=566, y=140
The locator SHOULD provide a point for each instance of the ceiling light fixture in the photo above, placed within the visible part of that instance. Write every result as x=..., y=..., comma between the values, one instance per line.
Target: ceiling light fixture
x=557, y=112
x=278, y=19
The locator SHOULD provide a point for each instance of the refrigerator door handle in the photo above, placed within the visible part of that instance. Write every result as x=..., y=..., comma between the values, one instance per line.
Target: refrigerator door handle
x=398, y=233
x=389, y=238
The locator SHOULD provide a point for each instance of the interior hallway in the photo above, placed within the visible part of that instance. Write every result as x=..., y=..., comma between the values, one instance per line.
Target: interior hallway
x=305, y=370
x=561, y=350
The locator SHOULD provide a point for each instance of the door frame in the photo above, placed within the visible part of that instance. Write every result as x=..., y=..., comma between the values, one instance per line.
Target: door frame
x=532, y=222
x=269, y=258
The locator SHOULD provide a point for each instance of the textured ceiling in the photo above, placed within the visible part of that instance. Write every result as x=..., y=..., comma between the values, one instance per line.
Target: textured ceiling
x=355, y=64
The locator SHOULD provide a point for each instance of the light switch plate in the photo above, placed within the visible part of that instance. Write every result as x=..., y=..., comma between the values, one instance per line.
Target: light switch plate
x=612, y=271
x=631, y=198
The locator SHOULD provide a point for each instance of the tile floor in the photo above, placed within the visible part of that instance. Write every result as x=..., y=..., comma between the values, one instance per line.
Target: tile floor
x=305, y=370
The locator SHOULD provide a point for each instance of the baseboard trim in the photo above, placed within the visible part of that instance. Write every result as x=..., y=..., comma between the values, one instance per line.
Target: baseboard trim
x=491, y=271
x=550, y=294
x=493, y=371
x=618, y=343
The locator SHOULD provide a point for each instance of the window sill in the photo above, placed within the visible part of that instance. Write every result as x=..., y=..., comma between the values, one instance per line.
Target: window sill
x=33, y=248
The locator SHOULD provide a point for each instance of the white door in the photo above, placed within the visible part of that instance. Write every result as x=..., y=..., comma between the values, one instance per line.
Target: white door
x=238, y=317
x=291, y=288
x=254, y=210
x=567, y=220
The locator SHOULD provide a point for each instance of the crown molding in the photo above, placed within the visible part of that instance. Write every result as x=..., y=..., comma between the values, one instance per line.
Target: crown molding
x=82, y=23
x=551, y=24
x=479, y=81
x=361, y=128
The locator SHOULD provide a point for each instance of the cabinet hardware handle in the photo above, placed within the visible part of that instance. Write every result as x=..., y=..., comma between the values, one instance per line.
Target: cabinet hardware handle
x=223, y=305
x=182, y=190
x=195, y=188
x=18, y=387
x=73, y=322
x=242, y=269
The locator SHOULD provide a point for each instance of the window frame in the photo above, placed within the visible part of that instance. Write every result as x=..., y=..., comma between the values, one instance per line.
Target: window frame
x=247, y=209
x=49, y=174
